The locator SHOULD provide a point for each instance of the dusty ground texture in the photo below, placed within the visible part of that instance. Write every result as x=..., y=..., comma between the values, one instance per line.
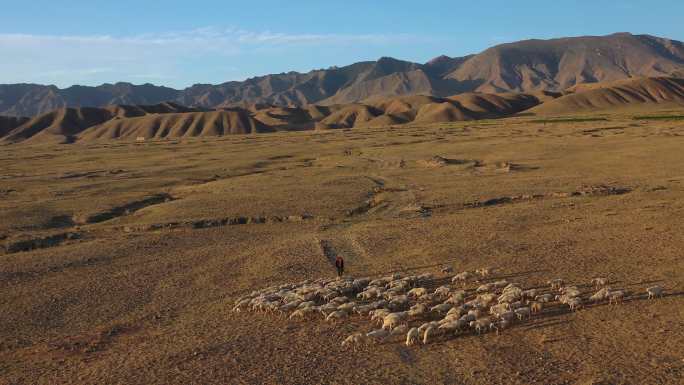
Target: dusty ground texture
x=120, y=262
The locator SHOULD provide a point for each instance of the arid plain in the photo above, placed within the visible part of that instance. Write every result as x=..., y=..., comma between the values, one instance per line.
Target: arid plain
x=122, y=260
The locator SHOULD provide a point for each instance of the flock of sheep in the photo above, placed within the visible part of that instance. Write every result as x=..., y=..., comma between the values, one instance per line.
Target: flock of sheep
x=474, y=302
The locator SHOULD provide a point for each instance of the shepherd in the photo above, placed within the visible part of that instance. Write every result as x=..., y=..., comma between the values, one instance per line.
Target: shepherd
x=339, y=264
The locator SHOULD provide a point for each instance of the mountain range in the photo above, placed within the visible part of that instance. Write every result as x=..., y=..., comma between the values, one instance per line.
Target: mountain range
x=169, y=120
x=534, y=67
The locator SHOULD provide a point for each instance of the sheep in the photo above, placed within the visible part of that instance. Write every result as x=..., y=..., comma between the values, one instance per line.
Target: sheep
x=616, y=296
x=398, y=302
x=302, y=313
x=399, y=330
x=393, y=319
x=355, y=339
x=340, y=300
x=498, y=309
x=654, y=291
x=347, y=307
x=481, y=324
x=289, y=306
x=306, y=304
x=523, y=312
x=600, y=295
x=240, y=304
x=451, y=326
x=555, y=283
x=457, y=311
x=378, y=334
x=336, y=316
x=447, y=270
x=529, y=294
x=379, y=315
x=486, y=299
x=412, y=337
x=364, y=310
x=417, y=310
x=468, y=318
x=501, y=284
x=485, y=288
x=516, y=305
x=575, y=303
x=441, y=308
x=536, y=307
x=599, y=282
x=571, y=291
x=428, y=332
x=509, y=316
x=443, y=291
x=544, y=298
x=417, y=292
x=475, y=312
x=485, y=271
x=457, y=297
x=360, y=283
x=423, y=327
x=462, y=277
x=327, y=308
x=499, y=326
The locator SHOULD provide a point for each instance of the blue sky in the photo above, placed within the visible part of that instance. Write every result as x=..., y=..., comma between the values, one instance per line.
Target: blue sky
x=180, y=43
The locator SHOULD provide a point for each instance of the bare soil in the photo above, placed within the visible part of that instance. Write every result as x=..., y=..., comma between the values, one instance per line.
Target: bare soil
x=120, y=261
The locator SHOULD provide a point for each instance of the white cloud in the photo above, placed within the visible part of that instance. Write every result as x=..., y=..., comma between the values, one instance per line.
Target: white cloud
x=72, y=59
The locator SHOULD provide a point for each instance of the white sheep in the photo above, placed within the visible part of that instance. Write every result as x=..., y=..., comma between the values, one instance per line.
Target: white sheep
x=498, y=309
x=459, y=311
x=485, y=288
x=462, y=277
x=336, y=315
x=600, y=295
x=481, y=324
x=599, y=282
x=399, y=330
x=417, y=310
x=412, y=337
x=443, y=291
x=509, y=316
x=654, y=291
x=379, y=315
x=555, y=283
x=441, y=308
x=450, y=326
x=523, y=312
x=393, y=319
x=575, y=303
x=457, y=298
x=485, y=271
x=355, y=339
x=306, y=304
x=429, y=331
x=616, y=296
x=417, y=292
x=529, y=294
x=378, y=334
x=544, y=298
x=302, y=313
x=571, y=291
x=501, y=325
x=347, y=307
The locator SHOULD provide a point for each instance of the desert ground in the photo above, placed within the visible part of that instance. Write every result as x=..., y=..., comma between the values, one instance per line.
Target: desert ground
x=121, y=261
